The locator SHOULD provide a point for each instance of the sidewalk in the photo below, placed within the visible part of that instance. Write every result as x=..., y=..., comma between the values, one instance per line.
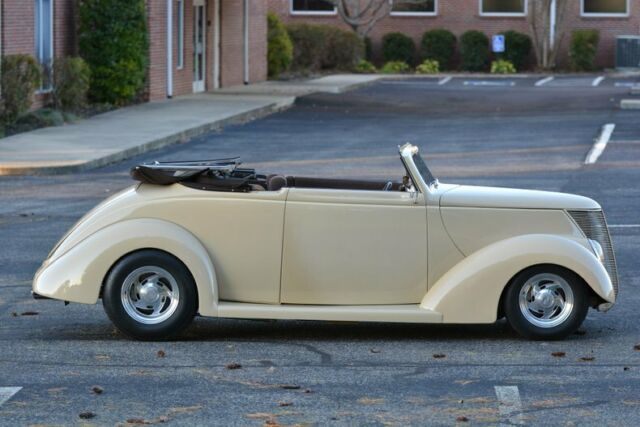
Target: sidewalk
x=120, y=134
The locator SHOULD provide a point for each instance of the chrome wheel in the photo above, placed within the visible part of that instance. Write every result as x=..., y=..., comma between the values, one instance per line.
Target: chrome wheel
x=150, y=295
x=546, y=300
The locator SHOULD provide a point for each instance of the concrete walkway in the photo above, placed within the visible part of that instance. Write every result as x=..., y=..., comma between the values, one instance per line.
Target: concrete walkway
x=120, y=134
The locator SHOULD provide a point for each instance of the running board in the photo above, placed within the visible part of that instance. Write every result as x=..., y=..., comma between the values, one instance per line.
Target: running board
x=409, y=313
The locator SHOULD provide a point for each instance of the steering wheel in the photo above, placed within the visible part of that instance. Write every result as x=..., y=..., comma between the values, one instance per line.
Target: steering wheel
x=388, y=186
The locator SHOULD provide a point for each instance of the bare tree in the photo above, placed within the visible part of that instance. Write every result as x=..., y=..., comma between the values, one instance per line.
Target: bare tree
x=546, y=21
x=363, y=15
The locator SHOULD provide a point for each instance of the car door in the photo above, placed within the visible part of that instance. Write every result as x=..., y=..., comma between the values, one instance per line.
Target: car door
x=351, y=247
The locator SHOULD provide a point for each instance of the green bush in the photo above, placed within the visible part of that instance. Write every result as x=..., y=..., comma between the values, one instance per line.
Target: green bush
x=584, y=45
x=20, y=76
x=398, y=47
x=71, y=78
x=368, y=48
x=517, y=48
x=322, y=46
x=474, y=51
x=440, y=45
x=395, y=67
x=280, y=48
x=428, y=66
x=502, y=66
x=113, y=40
x=365, y=67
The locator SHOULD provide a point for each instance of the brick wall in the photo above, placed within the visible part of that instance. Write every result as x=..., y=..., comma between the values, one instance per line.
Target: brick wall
x=461, y=15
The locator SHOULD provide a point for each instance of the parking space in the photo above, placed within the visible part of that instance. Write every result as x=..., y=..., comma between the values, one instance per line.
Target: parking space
x=315, y=373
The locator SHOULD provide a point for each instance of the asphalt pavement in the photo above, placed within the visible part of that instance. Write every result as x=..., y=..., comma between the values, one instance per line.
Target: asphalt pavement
x=68, y=366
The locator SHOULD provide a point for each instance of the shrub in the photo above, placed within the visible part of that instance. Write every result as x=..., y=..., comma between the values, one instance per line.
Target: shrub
x=323, y=46
x=280, y=48
x=398, y=47
x=70, y=83
x=429, y=66
x=474, y=51
x=368, y=48
x=113, y=41
x=517, y=48
x=502, y=66
x=440, y=45
x=20, y=76
x=395, y=67
x=584, y=45
x=365, y=67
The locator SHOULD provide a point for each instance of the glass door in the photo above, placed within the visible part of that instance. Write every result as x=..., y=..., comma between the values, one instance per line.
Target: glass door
x=199, y=60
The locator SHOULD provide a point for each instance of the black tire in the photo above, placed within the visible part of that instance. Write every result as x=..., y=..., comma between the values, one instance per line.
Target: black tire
x=570, y=320
x=181, y=314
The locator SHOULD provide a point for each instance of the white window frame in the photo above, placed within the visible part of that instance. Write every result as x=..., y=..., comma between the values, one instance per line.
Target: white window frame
x=434, y=13
x=504, y=14
x=38, y=46
x=605, y=15
x=180, y=59
x=311, y=12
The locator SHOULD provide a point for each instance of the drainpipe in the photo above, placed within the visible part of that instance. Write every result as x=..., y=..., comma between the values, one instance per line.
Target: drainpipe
x=246, y=41
x=552, y=24
x=169, y=48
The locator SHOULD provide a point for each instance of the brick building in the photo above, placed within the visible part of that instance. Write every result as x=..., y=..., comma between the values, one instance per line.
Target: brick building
x=611, y=17
x=209, y=44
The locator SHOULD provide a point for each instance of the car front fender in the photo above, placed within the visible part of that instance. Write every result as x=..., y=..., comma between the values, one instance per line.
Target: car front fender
x=77, y=276
x=470, y=292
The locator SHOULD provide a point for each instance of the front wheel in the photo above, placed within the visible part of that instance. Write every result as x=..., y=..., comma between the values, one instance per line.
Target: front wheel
x=546, y=302
x=150, y=295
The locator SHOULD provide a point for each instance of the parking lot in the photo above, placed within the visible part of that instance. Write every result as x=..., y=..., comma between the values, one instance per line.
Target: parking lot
x=512, y=132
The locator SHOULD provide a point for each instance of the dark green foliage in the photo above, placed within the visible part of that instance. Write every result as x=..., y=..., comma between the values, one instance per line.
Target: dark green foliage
x=517, y=48
x=113, y=41
x=368, y=48
x=440, y=45
x=474, y=51
x=71, y=78
x=583, y=49
x=398, y=47
x=318, y=47
x=280, y=48
x=20, y=76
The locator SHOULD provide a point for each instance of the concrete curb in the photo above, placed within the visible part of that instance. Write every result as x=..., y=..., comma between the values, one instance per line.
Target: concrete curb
x=156, y=144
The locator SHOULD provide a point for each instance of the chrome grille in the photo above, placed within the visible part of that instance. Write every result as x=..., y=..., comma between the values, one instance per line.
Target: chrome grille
x=594, y=226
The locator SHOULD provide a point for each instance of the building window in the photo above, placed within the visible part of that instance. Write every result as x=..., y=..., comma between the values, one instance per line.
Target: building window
x=425, y=7
x=605, y=8
x=312, y=7
x=44, y=39
x=503, y=7
x=180, y=34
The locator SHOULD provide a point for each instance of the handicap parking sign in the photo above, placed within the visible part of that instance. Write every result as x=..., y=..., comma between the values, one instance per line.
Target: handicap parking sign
x=498, y=43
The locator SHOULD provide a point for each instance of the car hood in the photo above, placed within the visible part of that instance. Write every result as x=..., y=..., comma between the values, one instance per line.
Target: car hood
x=495, y=197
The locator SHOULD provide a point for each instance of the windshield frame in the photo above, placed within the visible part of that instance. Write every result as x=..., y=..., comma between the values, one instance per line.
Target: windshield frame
x=417, y=168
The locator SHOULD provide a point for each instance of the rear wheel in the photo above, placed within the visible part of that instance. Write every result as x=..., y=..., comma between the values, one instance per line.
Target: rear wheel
x=546, y=302
x=150, y=295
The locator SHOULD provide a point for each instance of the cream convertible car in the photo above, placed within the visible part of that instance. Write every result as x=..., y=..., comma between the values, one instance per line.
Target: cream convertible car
x=214, y=239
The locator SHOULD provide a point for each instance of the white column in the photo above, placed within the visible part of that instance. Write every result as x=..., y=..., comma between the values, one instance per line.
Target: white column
x=552, y=23
x=169, y=48
x=246, y=41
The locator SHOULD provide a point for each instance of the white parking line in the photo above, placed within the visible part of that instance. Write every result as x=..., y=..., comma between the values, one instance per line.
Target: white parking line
x=597, y=81
x=624, y=84
x=7, y=393
x=624, y=225
x=445, y=80
x=488, y=83
x=510, y=405
x=600, y=144
x=544, y=81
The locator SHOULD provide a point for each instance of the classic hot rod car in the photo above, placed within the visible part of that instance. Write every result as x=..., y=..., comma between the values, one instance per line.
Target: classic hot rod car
x=215, y=239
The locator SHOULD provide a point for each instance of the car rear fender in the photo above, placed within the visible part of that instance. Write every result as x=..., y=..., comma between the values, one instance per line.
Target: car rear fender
x=78, y=275
x=470, y=291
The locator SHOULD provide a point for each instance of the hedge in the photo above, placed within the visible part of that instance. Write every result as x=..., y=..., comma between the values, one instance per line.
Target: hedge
x=113, y=40
x=517, y=48
x=280, y=48
x=583, y=49
x=71, y=78
x=398, y=47
x=439, y=45
x=20, y=76
x=474, y=51
x=318, y=47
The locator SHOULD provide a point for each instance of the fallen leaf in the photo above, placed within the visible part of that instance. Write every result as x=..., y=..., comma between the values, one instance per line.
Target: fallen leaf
x=290, y=387
x=29, y=313
x=285, y=404
x=161, y=353
x=307, y=390
x=439, y=356
x=465, y=382
x=101, y=357
x=626, y=368
x=370, y=401
x=86, y=415
x=234, y=366
x=462, y=419
x=636, y=347
x=96, y=389
x=587, y=359
x=14, y=314
x=558, y=354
